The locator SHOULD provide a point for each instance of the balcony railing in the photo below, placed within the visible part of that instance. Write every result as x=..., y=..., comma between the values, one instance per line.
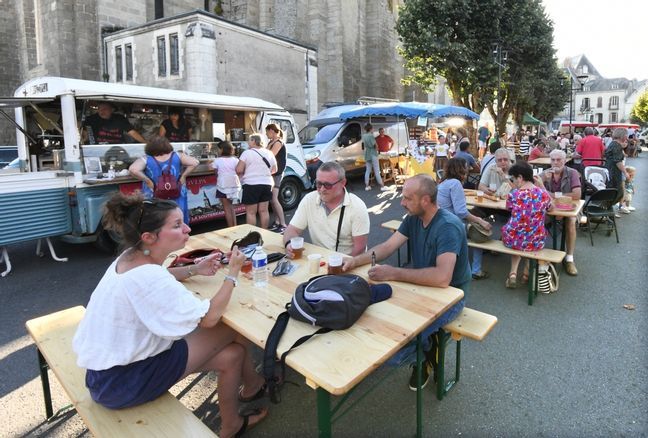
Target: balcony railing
x=613, y=106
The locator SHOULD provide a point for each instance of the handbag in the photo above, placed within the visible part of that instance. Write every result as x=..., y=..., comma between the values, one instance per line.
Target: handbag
x=166, y=186
x=548, y=280
x=248, y=243
x=478, y=234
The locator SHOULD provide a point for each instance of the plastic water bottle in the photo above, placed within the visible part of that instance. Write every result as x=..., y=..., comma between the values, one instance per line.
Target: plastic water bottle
x=260, y=267
x=111, y=172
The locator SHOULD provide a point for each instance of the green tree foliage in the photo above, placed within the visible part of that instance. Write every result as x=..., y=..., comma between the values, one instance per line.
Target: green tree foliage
x=640, y=109
x=454, y=39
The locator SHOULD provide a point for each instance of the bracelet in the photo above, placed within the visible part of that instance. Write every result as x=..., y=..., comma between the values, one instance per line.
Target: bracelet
x=232, y=279
x=190, y=272
x=286, y=244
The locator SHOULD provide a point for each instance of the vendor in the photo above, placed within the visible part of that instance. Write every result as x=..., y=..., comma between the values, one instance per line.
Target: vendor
x=105, y=127
x=175, y=128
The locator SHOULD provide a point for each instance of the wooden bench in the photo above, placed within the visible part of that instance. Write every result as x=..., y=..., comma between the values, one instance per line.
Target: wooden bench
x=545, y=255
x=163, y=417
x=471, y=324
x=393, y=226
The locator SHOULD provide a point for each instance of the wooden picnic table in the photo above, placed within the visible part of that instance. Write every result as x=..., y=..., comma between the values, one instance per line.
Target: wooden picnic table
x=335, y=362
x=555, y=213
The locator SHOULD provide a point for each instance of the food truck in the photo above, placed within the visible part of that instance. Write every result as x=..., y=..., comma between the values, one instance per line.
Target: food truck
x=60, y=184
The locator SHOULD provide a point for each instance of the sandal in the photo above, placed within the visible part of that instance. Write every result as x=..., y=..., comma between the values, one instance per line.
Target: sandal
x=257, y=396
x=246, y=421
x=511, y=281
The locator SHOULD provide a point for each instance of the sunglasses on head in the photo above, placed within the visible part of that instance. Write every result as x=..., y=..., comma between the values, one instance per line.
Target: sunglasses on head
x=326, y=185
x=154, y=203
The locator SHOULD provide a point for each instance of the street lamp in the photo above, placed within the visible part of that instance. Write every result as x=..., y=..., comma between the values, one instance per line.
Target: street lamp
x=581, y=81
x=500, y=57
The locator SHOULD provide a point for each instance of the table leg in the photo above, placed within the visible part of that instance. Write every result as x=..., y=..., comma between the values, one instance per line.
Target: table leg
x=47, y=396
x=554, y=225
x=419, y=391
x=323, y=413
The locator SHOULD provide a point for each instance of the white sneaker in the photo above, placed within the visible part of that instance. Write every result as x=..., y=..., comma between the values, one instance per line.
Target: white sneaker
x=368, y=188
x=624, y=210
x=631, y=208
x=384, y=189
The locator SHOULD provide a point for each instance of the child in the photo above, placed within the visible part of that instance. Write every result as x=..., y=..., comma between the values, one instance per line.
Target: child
x=228, y=185
x=629, y=191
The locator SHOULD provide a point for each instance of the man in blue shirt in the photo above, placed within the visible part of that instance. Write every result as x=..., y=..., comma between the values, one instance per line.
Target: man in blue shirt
x=463, y=153
x=439, y=250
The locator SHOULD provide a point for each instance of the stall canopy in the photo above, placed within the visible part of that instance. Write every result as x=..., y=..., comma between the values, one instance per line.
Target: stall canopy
x=409, y=110
x=528, y=119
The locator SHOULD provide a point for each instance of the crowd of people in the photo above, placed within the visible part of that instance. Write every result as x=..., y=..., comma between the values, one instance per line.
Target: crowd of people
x=144, y=330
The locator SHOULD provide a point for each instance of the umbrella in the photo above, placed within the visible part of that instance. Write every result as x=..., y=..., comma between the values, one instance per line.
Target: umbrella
x=409, y=110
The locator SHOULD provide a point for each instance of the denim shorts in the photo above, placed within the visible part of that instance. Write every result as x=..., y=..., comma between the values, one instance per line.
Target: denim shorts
x=123, y=386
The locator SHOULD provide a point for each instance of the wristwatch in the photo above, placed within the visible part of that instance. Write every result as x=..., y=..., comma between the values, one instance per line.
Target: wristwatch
x=232, y=279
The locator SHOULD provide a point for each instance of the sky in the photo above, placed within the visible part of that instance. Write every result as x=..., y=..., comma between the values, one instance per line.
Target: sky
x=610, y=33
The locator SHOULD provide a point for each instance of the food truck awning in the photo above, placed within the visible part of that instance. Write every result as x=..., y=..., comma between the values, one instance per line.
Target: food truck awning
x=17, y=102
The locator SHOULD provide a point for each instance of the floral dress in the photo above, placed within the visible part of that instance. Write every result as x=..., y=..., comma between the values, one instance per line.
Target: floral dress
x=525, y=229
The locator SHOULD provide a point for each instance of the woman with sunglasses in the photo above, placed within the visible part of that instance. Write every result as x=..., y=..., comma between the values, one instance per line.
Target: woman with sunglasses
x=451, y=196
x=143, y=331
x=525, y=230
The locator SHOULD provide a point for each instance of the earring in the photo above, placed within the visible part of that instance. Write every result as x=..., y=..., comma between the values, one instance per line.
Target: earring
x=146, y=252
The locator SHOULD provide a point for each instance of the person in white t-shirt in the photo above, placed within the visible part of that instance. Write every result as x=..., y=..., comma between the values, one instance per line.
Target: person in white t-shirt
x=255, y=167
x=228, y=185
x=143, y=330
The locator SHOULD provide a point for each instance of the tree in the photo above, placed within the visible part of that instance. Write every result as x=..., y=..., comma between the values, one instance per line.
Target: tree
x=640, y=109
x=454, y=39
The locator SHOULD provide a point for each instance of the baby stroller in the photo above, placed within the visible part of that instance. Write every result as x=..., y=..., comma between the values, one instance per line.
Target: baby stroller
x=596, y=178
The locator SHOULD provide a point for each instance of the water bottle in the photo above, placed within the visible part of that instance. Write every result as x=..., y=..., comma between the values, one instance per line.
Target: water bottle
x=111, y=172
x=260, y=267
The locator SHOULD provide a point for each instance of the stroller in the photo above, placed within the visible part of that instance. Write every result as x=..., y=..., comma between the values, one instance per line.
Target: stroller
x=596, y=178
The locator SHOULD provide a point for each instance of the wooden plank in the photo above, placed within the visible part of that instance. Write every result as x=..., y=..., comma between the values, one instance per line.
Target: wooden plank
x=336, y=361
x=163, y=417
x=472, y=324
x=546, y=254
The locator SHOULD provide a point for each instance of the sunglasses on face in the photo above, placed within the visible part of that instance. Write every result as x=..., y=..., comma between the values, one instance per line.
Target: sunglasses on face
x=326, y=185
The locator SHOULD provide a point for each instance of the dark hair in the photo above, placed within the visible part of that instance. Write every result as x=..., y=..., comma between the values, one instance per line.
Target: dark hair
x=523, y=169
x=131, y=215
x=275, y=128
x=455, y=168
x=227, y=148
x=464, y=145
x=368, y=127
x=158, y=145
x=176, y=110
x=494, y=146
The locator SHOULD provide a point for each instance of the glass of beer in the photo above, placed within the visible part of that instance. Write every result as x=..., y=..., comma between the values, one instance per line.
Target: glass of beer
x=480, y=196
x=314, y=263
x=297, y=245
x=335, y=264
x=247, y=267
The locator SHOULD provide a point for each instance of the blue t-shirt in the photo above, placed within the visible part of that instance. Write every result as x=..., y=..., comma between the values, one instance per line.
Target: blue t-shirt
x=445, y=233
x=466, y=156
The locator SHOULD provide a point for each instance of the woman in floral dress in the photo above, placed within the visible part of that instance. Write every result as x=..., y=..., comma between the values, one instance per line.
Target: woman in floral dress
x=525, y=230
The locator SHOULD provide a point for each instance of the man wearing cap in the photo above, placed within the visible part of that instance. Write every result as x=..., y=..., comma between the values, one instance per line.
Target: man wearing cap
x=563, y=179
x=105, y=127
x=439, y=250
x=336, y=220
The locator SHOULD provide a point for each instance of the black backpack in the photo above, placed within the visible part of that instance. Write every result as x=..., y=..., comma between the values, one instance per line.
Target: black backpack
x=332, y=302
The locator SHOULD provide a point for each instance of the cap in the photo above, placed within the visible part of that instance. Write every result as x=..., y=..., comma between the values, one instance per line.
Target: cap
x=380, y=292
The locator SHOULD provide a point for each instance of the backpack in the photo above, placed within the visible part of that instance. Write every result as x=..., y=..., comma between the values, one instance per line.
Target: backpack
x=332, y=302
x=167, y=185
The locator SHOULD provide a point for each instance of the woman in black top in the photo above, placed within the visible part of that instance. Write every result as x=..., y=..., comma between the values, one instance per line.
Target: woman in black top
x=278, y=148
x=175, y=128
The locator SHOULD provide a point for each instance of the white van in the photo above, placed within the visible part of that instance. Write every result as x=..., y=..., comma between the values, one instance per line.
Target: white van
x=60, y=187
x=643, y=137
x=327, y=138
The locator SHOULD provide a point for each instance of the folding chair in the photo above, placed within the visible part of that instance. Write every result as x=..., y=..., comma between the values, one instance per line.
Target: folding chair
x=601, y=206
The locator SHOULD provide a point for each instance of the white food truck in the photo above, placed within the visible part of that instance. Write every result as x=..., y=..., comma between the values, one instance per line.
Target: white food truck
x=60, y=185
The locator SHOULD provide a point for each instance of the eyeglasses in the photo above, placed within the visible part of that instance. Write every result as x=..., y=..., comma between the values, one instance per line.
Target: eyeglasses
x=326, y=185
x=153, y=202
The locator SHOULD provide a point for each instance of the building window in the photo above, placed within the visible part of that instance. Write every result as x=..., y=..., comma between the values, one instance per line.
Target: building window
x=599, y=118
x=128, y=48
x=119, y=75
x=615, y=86
x=613, y=117
x=586, y=104
x=585, y=69
x=614, y=102
x=599, y=103
x=161, y=55
x=175, y=54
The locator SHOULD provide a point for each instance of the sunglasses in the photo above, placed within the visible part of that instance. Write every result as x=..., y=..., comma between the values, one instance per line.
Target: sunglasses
x=154, y=203
x=326, y=185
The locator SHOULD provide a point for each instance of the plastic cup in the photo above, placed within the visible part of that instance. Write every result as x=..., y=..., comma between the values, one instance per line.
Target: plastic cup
x=247, y=267
x=297, y=245
x=558, y=194
x=493, y=187
x=480, y=196
x=335, y=264
x=314, y=263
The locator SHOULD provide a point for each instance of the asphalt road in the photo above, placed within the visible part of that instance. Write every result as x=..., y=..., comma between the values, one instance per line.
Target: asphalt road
x=572, y=365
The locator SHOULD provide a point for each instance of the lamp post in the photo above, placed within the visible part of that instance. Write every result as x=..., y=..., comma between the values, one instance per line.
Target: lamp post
x=500, y=57
x=581, y=81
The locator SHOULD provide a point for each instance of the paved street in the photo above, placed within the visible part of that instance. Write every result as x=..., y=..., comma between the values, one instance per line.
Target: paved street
x=572, y=365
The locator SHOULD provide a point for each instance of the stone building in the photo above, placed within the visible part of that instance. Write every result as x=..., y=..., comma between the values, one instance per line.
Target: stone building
x=355, y=40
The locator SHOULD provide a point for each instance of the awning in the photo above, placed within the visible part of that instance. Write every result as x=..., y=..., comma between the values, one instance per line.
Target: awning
x=409, y=110
x=17, y=102
x=528, y=119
